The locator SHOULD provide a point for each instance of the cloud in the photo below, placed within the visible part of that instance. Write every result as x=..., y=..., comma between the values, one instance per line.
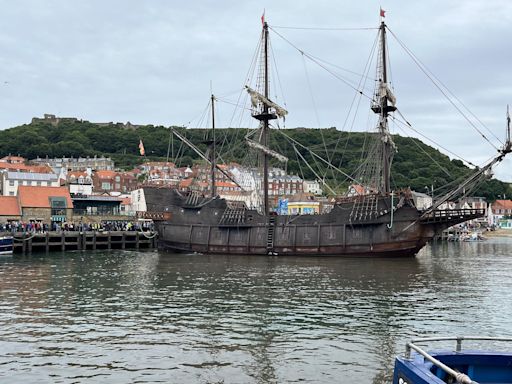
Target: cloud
x=155, y=61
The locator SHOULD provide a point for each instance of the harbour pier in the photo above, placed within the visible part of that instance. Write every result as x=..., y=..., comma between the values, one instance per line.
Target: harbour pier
x=26, y=242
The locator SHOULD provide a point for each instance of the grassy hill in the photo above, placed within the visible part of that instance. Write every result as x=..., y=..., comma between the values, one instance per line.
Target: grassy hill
x=414, y=165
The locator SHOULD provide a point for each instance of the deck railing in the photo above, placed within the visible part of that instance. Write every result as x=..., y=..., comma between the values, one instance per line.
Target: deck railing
x=460, y=377
x=443, y=214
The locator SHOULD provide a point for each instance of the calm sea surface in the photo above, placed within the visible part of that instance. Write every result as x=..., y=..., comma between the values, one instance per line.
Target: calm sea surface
x=149, y=317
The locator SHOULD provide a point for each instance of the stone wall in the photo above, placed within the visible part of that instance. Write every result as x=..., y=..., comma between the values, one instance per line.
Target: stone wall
x=44, y=214
x=98, y=219
x=5, y=219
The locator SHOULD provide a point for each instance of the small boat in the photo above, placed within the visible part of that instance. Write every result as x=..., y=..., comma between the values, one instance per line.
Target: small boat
x=462, y=366
x=6, y=245
x=474, y=236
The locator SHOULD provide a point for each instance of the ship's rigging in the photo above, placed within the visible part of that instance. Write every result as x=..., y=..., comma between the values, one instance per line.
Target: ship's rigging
x=379, y=221
x=374, y=172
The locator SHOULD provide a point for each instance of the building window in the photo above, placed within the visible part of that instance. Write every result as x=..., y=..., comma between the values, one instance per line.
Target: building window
x=11, y=183
x=11, y=193
x=105, y=186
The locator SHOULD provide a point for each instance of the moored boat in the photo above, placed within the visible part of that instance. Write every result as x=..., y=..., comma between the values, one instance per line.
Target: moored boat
x=462, y=366
x=378, y=222
x=6, y=245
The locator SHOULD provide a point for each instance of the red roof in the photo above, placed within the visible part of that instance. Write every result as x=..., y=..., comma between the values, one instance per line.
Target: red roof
x=39, y=197
x=128, y=175
x=502, y=204
x=13, y=159
x=77, y=174
x=9, y=206
x=159, y=164
x=186, y=183
x=225, y=184
x=40, y=169
x=14, y=167
x=358, y=188
x=105, y=174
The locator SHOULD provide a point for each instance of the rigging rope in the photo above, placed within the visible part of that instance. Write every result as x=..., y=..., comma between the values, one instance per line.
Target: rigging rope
x=438, y=85
x=428, y=155
x=344, y=69
x=408, y=125
x=317, y=156
x=347, y=82
x=312, y=170
x=316, y=114
x=274, y=68
x=362, y=80
x=323, y=29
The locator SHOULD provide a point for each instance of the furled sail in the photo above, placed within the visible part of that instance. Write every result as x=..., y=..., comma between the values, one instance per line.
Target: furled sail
x=385, y=91
x=258, y=97
x=268, y=151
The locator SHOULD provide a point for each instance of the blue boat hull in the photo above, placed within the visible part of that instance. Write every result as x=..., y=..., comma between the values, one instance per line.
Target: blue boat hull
x=6, y=245
x=481, y=367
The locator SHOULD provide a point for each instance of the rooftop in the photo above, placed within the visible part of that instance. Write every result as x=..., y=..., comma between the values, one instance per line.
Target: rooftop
x=9, y=206
x=32, y=176
x=39, y=197
x=502, y=204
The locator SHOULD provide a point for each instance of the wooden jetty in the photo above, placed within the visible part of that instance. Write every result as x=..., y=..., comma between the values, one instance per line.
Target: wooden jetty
x=26, y=243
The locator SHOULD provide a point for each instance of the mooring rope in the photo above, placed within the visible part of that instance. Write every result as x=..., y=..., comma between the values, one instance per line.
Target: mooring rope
x=24, y=239
x=148, y=237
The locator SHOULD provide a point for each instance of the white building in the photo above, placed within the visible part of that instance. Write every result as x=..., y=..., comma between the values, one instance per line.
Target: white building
x=80, y=189
x=313, y=187
x=9, y=181
x=499, y=212
x=421, y=200
x=138, y=201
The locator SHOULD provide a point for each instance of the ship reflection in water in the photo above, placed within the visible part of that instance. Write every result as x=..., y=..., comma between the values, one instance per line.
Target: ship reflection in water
x=154, y=317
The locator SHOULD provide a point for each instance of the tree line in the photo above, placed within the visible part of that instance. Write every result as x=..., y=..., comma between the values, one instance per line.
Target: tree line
x=415, y=165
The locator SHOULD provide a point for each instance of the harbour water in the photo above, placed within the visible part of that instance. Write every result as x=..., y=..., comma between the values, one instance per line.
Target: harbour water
x=150, y=317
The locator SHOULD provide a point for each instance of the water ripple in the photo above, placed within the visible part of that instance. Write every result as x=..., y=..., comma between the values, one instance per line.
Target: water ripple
x=148, y=317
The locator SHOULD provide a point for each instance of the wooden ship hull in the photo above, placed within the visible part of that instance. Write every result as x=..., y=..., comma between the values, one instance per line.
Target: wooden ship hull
x=363, y=226
x=378, y=222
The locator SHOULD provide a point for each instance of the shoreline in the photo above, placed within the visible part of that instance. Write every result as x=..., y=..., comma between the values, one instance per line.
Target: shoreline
x=498, y=233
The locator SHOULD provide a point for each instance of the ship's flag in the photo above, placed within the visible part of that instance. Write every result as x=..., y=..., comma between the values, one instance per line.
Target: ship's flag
x=263, y=18
x=382, y=13
x=141, y=148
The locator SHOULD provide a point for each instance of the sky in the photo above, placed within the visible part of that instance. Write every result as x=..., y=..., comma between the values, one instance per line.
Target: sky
x=158, y=61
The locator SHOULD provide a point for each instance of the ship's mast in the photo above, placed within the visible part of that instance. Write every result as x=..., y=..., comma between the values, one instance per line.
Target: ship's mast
x=383, y=127
x=508, y=127
x=213, y=159
x=265, y=121
x=384, y=105
x=264, y=110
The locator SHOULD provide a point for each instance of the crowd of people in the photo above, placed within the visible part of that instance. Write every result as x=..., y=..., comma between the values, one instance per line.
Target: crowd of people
x=41, y=227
